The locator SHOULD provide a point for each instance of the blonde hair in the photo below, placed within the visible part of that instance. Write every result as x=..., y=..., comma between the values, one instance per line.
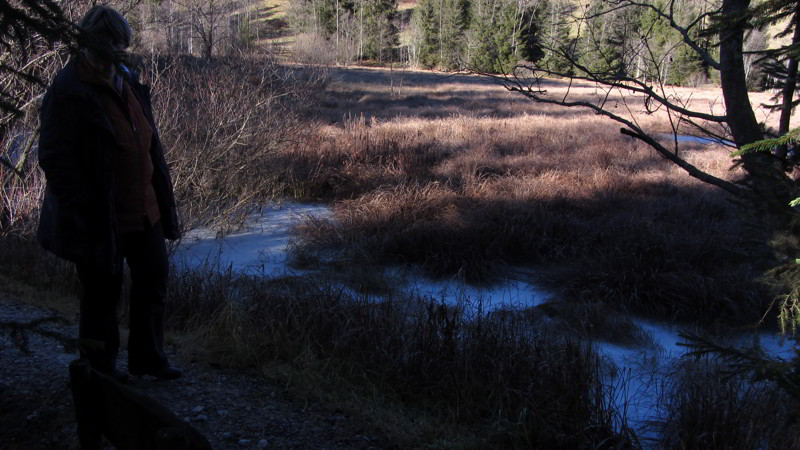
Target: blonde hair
x=104, y=22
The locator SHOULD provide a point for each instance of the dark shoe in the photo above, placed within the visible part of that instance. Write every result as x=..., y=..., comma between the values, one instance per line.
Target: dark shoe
x=164, y=373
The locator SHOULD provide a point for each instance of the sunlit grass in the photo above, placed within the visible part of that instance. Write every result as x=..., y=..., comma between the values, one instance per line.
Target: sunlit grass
x=600, y=214
x=402, y=92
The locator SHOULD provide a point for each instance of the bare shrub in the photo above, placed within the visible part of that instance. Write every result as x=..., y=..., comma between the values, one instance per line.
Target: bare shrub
x=222, y=122
x=311, y=48
x=21, y=182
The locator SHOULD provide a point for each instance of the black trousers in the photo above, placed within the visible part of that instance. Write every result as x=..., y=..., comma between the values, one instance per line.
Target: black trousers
x=146, y=254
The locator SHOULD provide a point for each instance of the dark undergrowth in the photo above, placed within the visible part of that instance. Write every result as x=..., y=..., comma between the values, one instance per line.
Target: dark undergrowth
x=706, y=407
x=511, y=386
x=437, y=379
x=418, y=373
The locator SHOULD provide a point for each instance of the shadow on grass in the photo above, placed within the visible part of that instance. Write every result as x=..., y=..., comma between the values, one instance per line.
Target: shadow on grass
x=661, y=251
x=387, y=94
x=509, y=385
x=496, y=381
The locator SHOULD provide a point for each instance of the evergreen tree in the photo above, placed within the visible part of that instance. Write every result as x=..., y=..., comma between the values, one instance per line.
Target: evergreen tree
x=372, y=23
x=504, y=32
x=454, y=21
x=656, y=46
x=557, y=45
x=486, y=26
x=782, y=62
x=317, y=16
x=609, y=41
x=380, y=29
x=443, y=25
x=663, y=54
x=425, y=20
x=686, y=66
x=531, y=32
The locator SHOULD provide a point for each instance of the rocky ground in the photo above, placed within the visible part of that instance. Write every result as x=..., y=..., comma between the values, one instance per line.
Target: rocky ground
x=234, y=410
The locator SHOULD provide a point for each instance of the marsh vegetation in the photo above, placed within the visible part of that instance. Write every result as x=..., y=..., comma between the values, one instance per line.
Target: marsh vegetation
x=607, y=225
x=456, y=177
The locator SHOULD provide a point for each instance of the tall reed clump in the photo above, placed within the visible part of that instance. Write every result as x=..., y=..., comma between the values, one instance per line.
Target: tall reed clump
x=500, y=379
x=705, y=407
x=21, y=182
x=600, y=217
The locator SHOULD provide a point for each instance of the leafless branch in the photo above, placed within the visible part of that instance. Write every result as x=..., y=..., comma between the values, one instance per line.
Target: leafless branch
x=515, y=84
x=670, y=18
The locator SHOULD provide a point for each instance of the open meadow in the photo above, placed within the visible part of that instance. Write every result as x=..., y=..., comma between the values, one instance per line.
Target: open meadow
x=454, y=178
x=454, y=175
x=457, y=175
x=381, y=256
x=389, y=93
x=457, y=178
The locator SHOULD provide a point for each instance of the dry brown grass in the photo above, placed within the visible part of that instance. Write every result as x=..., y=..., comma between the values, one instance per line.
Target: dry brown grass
x=388, y=94
x=361, y=155
x=599, y=214
x=499, y=383
x=503, y=183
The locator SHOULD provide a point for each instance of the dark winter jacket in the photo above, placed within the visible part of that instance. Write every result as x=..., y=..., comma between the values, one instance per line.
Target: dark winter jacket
x=76, y=151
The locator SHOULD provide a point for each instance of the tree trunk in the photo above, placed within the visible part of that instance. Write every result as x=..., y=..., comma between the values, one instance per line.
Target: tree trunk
x=361, y=32
x=441, y=44
x=771, y=186
x=741, y=118
x=337, y=27
x=791, y=78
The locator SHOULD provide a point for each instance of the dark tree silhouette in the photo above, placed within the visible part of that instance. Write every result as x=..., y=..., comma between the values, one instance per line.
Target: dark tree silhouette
x=25, y=25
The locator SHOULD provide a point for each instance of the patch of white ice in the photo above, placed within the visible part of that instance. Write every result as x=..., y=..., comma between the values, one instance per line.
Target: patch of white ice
x=258, y=249
x=685, y=138
x=513, y=293
x=642, y=374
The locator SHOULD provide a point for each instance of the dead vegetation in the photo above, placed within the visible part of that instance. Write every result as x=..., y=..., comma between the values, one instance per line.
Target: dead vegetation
x=412, y=368
x=598, y=215
x=222, y=122
x=463, y=181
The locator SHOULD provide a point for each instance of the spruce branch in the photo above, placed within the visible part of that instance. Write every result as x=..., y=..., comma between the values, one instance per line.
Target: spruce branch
x=765, y=145
x=751, y=361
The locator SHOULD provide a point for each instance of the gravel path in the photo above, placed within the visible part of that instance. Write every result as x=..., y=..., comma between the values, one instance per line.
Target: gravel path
x=234, y=410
